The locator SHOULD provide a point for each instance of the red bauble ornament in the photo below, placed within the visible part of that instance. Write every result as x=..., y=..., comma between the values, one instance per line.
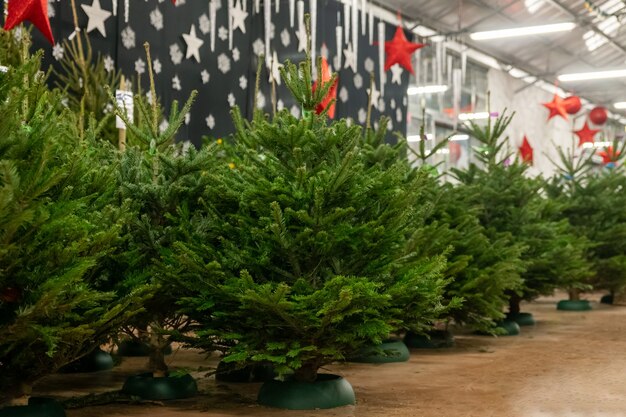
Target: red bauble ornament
x=598, y=115
x=556, y=107
x=10, y=295
x=35, y=11
x=572, y=104
x=586, y=134
x=331, y=97
x=526, y=151
x=399, y=51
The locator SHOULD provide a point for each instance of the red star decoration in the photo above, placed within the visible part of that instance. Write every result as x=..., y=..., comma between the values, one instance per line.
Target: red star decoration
x=326, y=76
x=35, y=11
x=526, y=151
x=173, y=1
x=556, y=107
x=586, y=134
x=609, y=155
x=399, y=51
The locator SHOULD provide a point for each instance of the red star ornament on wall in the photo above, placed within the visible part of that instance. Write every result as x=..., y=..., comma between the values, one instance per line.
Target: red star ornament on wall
x=586, y=134
x=556, y=107
x=35, y=11
x=331, y=97
x=526, y=151
x=399, y=51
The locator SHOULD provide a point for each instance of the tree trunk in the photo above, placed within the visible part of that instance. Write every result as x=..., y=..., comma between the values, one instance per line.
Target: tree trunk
x=307, y=372
x=22, y=394
x=514, y=308
x=156, y=361
x=574, y=295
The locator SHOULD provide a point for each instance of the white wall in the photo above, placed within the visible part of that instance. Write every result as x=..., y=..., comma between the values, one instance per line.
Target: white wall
x=531, y=119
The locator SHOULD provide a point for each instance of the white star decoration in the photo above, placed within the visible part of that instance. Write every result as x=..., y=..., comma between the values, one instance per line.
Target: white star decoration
x=97, y=17
x=239, y=15
x=350, y=58
x=375, y=96
x=396, y=74
x=193, y=44
x=274, y=68
x=302, y=38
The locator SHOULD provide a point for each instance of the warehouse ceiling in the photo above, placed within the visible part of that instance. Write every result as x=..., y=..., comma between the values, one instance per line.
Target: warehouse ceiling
x=597, y=43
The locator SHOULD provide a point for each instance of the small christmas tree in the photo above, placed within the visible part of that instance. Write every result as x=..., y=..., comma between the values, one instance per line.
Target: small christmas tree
x=513, y=207
x=58, y=225
x=312, y=255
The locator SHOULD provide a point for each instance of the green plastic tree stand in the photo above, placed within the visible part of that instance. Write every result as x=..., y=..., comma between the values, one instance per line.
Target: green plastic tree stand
x=503, y=328
x=573, y=305
x=161, y=388
x=98, y=360
x=328, y=391
x=37, y=407
x=523, y=319
x=229, y=372
x=607, y=299
x=135, y=348
x=436, y=339
x=387, y=352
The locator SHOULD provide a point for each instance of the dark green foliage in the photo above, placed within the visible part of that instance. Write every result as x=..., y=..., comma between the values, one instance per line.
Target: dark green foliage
x=311, y=248
x=514, y=208
x=57, y=225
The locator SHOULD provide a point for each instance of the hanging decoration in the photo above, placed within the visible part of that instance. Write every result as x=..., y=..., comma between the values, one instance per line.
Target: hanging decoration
x=339, y=44
x=363, y=17
x=212, y=19
x=292, y=12
x=370, y=24
x=381, y=56
x=346, y=21
x=313, y=11
x=526, y=151
x=399, y=51
x=34, y=11
x=556, y=107
x=572, y=104
x=267, y=18
x=301, y=33
x=598, y=115
x=331, y=97
x=586, y=134
x=355, y=29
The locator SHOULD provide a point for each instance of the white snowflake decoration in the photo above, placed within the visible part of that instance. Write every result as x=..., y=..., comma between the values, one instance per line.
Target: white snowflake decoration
x=204, y=24
x=156, y=66
x=358, y=81
x=176, y=54
x=343, y=94
x=51, y=10
x=280, y=105
x=369, y=64
x=223, y=63
x=399, y=116
x=362, y=116
x=156, y=19
x=128, y=38
x=405, y=101
x=140, y=66
x=187, y=121
x=58, y=52
x=393, y=103
x=231, y=100
x=381, y=105
x=176, y=83
x=205, y=76
x=222, y=33
x=260, y=100
x=243, y=82
x=210, y=121
x=164, y=125
x=236, y=54
x=258, y=47
x=285, y=38
x=109, y=64
x=295, y=111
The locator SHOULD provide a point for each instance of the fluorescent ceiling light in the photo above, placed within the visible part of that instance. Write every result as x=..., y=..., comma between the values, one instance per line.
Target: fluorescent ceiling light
x=427, y=89
x=417, y=138
x=459, y=137
x=588, y=145
x=443, y=151
x=621, y=105
x=596, y=75
x=523, y=31
x=473, y=116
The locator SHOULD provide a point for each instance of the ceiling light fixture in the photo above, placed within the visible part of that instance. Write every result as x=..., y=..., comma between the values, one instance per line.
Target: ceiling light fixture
x=620, y=106
x=476, y=116
x=459, y=137
x=523, y=31
x=427, y=89
x=596, y=75
x=417, y=138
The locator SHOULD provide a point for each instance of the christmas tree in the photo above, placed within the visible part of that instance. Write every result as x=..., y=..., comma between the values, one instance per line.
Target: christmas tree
x=312, y=254
x=58, y=226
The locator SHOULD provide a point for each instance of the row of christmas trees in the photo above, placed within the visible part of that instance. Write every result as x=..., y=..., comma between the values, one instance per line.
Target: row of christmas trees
x=296, y=243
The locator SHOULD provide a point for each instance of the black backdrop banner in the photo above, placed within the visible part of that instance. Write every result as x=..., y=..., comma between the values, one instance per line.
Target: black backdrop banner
x=223, y=77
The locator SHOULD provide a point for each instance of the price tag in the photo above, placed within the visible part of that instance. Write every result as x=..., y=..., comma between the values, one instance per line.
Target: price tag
x=124, y=101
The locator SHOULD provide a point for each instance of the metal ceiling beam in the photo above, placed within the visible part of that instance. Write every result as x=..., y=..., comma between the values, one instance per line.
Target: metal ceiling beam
x=494, y=12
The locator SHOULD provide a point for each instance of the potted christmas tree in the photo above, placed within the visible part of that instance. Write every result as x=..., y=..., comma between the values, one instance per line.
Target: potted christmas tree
x=58, y=226
x=310, y=255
